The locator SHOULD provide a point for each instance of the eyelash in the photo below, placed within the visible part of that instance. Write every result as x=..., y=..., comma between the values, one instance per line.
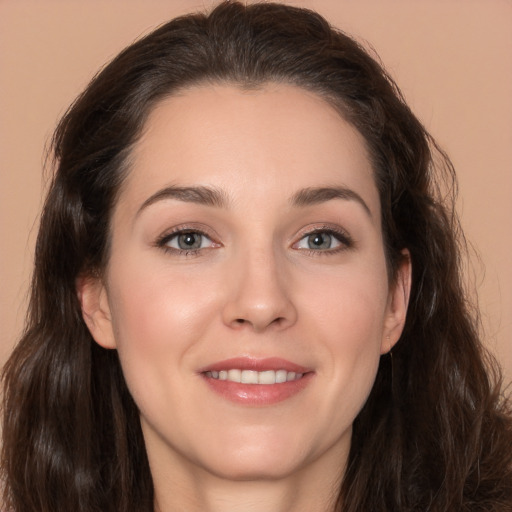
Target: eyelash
x=163, y=241
x=345, y=240
x=341, y=236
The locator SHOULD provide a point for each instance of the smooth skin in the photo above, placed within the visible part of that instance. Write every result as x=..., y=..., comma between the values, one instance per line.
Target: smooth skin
x=272, y=270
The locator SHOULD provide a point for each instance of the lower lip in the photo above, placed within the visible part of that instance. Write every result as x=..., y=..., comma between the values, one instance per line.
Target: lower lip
x=258, y=394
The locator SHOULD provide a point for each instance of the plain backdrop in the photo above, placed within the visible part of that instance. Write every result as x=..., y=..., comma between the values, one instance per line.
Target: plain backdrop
x=451, y=58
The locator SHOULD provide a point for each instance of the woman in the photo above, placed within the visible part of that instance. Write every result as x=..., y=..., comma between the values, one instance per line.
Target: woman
x=247, y=291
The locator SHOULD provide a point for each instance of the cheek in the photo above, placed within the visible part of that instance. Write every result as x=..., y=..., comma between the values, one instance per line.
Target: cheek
x=350, y=306
x=349, y=317
x=159, y=319
x=157, y=316
x=148, y=297
x=354, y=339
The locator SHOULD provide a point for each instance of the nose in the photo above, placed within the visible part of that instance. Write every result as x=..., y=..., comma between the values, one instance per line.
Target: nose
x=259, y=294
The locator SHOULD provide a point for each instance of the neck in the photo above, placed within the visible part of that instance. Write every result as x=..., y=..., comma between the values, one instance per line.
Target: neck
x=307, y=490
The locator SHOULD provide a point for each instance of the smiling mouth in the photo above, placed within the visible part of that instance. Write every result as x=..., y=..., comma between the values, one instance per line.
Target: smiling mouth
x=256, y=382
x=267, y=377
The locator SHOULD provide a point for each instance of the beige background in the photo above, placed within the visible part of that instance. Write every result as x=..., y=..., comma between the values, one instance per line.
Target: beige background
x=452, y=59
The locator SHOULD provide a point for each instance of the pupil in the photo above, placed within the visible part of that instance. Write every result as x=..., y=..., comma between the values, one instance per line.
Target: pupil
x=319, y=241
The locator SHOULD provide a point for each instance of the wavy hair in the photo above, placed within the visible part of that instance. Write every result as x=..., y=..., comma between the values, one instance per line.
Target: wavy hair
x=435, y=433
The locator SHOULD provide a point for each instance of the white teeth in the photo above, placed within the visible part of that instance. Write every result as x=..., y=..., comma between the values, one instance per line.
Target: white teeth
x=281, y=376
x=249, y=377
x=235, y=375
x=268, y=377
x=254, y=377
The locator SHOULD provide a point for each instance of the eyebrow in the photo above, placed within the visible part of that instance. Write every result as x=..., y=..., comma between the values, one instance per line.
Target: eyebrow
x=311, y=196
x=197, y=194
x=217, y=198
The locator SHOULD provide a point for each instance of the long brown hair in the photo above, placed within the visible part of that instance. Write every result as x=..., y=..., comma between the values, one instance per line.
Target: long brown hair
x=435, y=433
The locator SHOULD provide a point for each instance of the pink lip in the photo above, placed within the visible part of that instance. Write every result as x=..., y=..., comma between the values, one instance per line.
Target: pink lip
x=257, y=394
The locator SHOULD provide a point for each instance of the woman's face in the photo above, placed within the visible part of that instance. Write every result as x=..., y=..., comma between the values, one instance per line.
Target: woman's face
x=247, y=244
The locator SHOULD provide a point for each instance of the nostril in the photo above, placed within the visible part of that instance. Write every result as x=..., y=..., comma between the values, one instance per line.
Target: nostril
x=242, y=321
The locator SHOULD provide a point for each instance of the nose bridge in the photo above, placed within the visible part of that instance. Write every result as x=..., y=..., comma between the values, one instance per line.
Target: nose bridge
x=259, y=294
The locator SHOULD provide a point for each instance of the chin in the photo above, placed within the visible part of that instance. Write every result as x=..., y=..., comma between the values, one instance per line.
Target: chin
x=242, y=469
x=262, y=458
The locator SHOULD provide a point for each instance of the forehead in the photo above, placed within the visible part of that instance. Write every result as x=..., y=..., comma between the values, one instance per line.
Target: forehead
x=269, y=141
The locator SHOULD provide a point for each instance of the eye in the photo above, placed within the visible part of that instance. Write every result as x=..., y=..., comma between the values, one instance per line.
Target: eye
x=324, y=240
x=186, y=241
x=320, y=241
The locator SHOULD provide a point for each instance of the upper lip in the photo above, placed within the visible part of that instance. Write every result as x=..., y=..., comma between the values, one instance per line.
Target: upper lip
x=255, y=364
